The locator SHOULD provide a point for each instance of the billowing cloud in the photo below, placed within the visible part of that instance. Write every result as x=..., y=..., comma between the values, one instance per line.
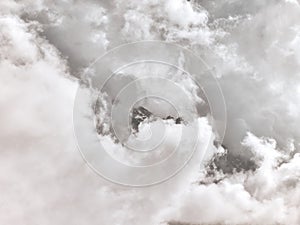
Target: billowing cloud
x=251, y=47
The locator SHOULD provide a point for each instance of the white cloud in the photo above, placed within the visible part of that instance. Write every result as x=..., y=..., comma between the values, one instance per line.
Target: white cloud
x=43, y=45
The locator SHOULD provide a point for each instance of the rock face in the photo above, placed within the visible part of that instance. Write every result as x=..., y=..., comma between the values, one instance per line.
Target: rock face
x=141, y=114
x=224, y=164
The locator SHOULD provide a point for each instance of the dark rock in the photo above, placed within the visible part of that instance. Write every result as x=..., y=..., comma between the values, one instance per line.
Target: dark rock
x=229, y=163
x=169, y=118
x=139, y=115
x=179, y=120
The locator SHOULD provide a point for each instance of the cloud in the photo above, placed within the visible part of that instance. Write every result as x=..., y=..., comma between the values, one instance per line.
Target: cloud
x=253, y=48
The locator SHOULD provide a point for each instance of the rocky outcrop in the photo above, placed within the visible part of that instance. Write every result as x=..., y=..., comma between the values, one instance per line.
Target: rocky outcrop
x=140, y=114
